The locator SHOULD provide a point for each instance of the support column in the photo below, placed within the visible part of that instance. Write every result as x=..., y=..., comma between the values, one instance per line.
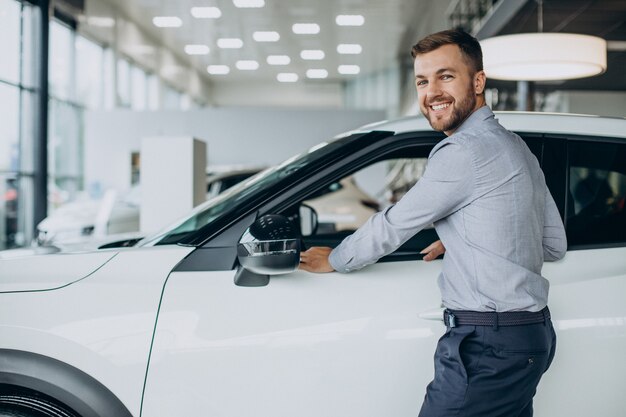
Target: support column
x=40, y=191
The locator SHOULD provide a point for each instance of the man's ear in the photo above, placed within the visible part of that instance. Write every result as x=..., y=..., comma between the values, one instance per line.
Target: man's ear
x=480, y=79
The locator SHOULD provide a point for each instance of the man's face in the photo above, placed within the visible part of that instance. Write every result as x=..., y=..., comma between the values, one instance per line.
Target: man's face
x=447, y=88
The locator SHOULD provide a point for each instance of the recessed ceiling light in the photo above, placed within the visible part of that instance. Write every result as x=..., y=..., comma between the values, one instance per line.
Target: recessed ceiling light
x=266, y=36
x=197, y=49
x=287, y=77
x=348, y=69
x=349, y=48
x=206, y=12
x=247, y=65
x=249, y=3
x=167, y=22
x=229, y=43
x=316, y=73
x=306, y=28
x=278, y=60
x=312, y=54
x=350, y=20
x=218, y=69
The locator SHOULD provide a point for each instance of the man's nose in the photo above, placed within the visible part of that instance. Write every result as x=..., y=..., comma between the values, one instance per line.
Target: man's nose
x=433, y=90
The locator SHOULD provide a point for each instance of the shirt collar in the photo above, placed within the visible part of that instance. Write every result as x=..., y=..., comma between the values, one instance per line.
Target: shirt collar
x=475, y=119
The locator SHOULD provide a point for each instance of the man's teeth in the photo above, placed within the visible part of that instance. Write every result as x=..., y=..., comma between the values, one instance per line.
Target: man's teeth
x=440, y=106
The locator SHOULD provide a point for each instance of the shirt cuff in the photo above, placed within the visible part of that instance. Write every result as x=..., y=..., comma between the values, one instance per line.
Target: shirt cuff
x=337, y=262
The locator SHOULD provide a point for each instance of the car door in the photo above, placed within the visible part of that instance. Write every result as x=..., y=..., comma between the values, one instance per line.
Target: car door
x=305, y=344
x=587, y=177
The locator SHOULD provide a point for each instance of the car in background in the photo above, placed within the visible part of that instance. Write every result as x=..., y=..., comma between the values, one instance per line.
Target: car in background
x=88, y=223
x=212, y=317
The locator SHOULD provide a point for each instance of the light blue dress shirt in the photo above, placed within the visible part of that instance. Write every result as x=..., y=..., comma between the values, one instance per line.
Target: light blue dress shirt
x=486, y=195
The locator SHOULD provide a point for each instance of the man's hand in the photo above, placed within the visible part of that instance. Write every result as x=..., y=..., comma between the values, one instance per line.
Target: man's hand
x=433, y=251
x=316, y=259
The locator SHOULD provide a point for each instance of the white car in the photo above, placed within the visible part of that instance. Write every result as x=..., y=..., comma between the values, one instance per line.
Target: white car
x=176, y=326
x=88, y=223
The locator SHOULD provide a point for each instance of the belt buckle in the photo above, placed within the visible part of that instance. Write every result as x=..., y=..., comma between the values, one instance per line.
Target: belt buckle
x=451, y=320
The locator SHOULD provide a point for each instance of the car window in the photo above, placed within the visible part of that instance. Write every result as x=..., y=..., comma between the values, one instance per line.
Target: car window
x=596, y=193
x=345, y=204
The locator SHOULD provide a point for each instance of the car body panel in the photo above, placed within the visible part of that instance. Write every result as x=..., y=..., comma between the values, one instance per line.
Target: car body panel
x=102, y=325
x=23, y=273
x=306, y=344
x=588, y=374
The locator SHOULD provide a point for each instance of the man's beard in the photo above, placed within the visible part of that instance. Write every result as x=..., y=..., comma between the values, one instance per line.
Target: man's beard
x=461, y=110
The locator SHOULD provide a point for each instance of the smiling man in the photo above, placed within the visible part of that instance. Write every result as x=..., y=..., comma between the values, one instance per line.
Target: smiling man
x=486, y=195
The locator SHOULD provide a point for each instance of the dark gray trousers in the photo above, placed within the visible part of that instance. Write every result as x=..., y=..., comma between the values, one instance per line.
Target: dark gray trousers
x=489, y=372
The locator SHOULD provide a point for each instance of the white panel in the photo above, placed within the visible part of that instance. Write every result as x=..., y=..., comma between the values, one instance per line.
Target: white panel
x=173, y=179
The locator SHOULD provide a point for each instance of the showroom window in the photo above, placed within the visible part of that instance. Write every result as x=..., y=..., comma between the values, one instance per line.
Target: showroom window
x=17, y=130
x=596, y=212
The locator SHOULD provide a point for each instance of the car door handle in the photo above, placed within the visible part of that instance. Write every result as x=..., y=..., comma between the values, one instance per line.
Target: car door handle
x=434, y=314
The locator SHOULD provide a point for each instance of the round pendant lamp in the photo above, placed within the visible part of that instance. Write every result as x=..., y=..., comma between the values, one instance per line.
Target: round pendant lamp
x=543, y=56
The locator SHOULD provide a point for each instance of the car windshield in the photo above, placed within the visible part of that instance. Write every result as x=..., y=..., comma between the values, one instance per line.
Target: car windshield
x=233, y=199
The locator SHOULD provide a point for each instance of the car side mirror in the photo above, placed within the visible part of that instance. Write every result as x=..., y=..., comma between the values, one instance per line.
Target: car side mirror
x=308, y=220
x=270, y=246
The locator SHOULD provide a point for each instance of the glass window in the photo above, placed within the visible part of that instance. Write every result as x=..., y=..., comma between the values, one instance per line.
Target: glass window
x=61, y=61
x=123, y=83
x=64, y=148
x=89, y=62
x=9, y=127
x=171, y=98
x=10, y=45
x=597, y=193
x=138, y=88
x=30, y=28
x=153, y=92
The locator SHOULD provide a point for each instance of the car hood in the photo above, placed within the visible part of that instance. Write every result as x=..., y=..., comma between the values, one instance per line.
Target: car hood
x=48, y=272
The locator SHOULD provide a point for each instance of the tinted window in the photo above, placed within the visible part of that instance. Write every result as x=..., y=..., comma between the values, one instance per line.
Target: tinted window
x=596, y=193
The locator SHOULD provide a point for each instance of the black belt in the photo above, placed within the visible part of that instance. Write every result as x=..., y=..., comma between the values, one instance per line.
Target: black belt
x=454, y=318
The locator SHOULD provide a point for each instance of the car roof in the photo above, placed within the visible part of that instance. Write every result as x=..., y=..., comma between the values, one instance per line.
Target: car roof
x=556, y=123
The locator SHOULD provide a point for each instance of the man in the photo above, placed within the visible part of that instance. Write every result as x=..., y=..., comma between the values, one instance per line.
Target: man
x=486, y=194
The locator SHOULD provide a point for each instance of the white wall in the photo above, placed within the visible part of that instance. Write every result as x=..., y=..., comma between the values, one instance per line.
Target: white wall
x=252, y=136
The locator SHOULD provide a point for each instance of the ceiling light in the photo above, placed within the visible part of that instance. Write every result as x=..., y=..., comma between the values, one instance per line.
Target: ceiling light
x=287, y=77
x=167, y=21
x=206, y=12
x=543, y=56
x=101, y=21
x=316, y=73
x=197, y=49
x=312, y=54
x=229, y=43
x=348, y=69
x=306, y=28
x=350, y=20
x=266, y=36
x=249, y=3
x=247, y=65
x=218, y=69
x=278, y=60
x=349, y=48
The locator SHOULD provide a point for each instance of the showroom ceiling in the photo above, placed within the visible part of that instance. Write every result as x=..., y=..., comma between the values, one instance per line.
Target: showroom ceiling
x=389, y=29
x=379, y=38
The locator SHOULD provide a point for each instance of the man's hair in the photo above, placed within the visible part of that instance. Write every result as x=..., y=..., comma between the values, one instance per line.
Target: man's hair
x=469, y=46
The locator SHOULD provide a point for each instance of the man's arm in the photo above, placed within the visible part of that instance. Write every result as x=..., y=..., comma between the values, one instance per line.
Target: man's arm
x=554, y=239
x=446, y=186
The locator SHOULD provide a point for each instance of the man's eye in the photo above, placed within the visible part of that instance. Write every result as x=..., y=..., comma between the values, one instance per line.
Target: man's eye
x=423, y=82
x=446, y=77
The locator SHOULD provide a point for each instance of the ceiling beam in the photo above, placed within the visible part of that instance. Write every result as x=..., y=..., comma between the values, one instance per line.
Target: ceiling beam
x=498, y=17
